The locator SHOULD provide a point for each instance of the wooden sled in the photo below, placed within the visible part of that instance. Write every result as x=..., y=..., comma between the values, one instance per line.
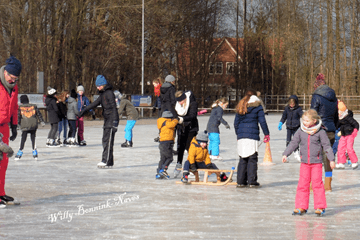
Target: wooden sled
x=207, y=173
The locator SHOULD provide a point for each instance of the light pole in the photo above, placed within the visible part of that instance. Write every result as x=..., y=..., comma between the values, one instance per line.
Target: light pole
x=142, y=56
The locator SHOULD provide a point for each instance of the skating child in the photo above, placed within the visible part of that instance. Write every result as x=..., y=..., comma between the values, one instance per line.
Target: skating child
x=349, y=128
x=28, y=117
x=157, y=85
x=167, y=95
x=249, y=114
x=166, y=125
x=53, y=114
x=72, y=113
x=213, y=127
x=61, y=103
x=111, y=119
x=291, y=116
x=199, y=157
x=82, y=102
x=132, y=116
x=312, y=139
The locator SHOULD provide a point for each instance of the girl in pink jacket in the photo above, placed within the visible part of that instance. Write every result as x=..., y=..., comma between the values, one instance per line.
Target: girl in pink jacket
x=312, y=138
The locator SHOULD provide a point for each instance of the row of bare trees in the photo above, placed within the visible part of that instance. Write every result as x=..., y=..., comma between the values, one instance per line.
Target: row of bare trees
x=283, y=43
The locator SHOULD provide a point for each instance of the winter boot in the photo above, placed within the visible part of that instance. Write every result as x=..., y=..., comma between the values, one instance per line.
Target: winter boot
x=6, y=198
x=299, y=211
x=327, y=185
x=177, y=169
x=35, y=154
x=127, y=144
x=164, y=173
x=354, y=165
x=340, y=166
x=18, y=155
x=223, y=177
x=185, y=178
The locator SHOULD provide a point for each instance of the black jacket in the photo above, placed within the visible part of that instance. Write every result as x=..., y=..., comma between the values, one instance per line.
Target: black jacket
x=190, y=119
x=53, y=110
x=62, y=110
x=347, y=124
x=108, y=104
x=292, y=115
x=167, y=97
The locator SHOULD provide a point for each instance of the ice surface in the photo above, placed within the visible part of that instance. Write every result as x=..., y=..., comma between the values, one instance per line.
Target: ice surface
x=64, y=195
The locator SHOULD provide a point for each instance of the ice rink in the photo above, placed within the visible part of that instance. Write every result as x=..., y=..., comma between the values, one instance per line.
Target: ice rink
x=63, y=194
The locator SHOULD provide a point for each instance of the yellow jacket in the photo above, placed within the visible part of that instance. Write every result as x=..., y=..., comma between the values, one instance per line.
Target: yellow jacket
x=197, y=153
x=167, y=128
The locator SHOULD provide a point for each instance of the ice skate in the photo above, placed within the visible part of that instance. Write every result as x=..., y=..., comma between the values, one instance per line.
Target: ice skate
x=103, y=165
x=18, y=155
x=320, y=212
x=354, y=165
x=72, y=143
x=216, y=158
x=127, y=144
x=8, y=200
x=52, y=143
x=254, y=185
x=2, y=204
x=82, y=143
x=297, y=156
x=58, y=141
x=340, y=166
x=299, y=211
x=35, y=154
x=177, y=170
x=185, y=179
x=164, y=174
x=241, y=185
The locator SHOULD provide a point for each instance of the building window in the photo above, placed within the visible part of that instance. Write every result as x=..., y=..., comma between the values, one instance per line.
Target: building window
x=219, y=68
x=211, y=68
x=230, y=68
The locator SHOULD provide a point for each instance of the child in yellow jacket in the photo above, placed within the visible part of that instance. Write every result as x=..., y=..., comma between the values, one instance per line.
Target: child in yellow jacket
x=166, y=125
x=199, y=157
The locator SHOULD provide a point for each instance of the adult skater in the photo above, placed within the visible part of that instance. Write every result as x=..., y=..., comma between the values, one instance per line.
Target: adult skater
x=188, y=126
x=53, y=114
x=324, y=101
x=9, y=74
x=111, y=119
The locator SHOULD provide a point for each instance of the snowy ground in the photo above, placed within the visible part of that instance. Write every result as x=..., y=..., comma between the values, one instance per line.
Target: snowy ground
x=64, y=195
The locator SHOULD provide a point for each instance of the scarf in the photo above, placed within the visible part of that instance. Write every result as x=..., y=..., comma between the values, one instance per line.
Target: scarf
x=182, y=109
x=343, y=114
x=311, y=130
x=8, y=86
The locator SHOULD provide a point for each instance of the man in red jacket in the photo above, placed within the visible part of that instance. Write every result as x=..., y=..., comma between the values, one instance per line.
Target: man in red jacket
x=9, y=74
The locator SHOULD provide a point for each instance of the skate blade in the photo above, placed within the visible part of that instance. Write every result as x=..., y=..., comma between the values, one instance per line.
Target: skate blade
x=104, y=166
x=12, y=203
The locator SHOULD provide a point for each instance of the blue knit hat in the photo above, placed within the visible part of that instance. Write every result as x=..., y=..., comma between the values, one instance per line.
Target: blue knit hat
x=13, y=66
x=100, y=80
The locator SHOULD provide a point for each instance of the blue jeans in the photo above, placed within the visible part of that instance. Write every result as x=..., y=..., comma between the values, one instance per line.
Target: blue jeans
x=128, y=129
x=63, y=123
x=214, y=142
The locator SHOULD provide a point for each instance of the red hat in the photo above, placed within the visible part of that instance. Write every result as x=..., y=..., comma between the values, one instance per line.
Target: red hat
x=320, y=80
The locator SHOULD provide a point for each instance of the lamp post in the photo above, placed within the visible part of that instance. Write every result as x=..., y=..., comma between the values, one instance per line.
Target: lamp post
x=142, y=56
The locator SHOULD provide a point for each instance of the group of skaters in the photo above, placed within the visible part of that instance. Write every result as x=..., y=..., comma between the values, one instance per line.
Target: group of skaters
x=315, y=131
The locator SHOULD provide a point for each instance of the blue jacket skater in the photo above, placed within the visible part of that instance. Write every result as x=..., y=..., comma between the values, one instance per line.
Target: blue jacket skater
x=292, y=115
x=247, y=126
x=324, y=101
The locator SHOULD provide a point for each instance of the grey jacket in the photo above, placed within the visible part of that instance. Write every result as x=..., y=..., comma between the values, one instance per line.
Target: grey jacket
x=311, y=146
x=215, y=120
x=128, y=107
x=72, y=111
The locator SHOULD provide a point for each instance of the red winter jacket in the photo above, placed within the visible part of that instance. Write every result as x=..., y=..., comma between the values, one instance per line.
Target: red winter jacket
x=8, y=105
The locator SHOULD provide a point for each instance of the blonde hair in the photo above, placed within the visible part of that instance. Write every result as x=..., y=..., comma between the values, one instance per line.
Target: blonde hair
x=178, y=93
x=218, y=101
x=241, y=107
x=312, y=114
x=158, y=80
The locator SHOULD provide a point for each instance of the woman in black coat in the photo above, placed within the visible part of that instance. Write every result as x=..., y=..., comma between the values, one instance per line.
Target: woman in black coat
x=53, y=115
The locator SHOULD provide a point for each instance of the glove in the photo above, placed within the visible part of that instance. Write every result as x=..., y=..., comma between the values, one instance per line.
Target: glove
x=81, y=113
x=193, y=167
x=280, y=126
x=13, y=132
x=93, y=115
x=181, y=120
x=209, y=166
x=42, y=124
x=227, y=126
x=115, y=126
x=266, y=138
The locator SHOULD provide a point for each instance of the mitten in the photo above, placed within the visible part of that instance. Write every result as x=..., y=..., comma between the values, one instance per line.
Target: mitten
x=266, y=138
x=193, y=167
x=280, y=126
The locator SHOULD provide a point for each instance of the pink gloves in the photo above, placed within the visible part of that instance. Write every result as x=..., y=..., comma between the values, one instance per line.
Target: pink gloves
x=266, y=138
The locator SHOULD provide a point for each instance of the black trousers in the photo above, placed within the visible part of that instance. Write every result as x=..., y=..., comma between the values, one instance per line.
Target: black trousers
x=53, y=131
x=72, y=128
x=108, y=146
x=24, y=136
x=184, y=140
x=166, y=154
x=247, y=170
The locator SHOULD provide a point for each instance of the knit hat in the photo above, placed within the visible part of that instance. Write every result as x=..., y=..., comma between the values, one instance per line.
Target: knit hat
x=51, y=91
x=202, y=137
x=100, y=81
x=169, y=78
x=180, y=98
x=341, y=106
x=24, y=99
x=167, y=114
x=320, y=80
x=73, y=94
x=80, y=88
x=13, y=66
